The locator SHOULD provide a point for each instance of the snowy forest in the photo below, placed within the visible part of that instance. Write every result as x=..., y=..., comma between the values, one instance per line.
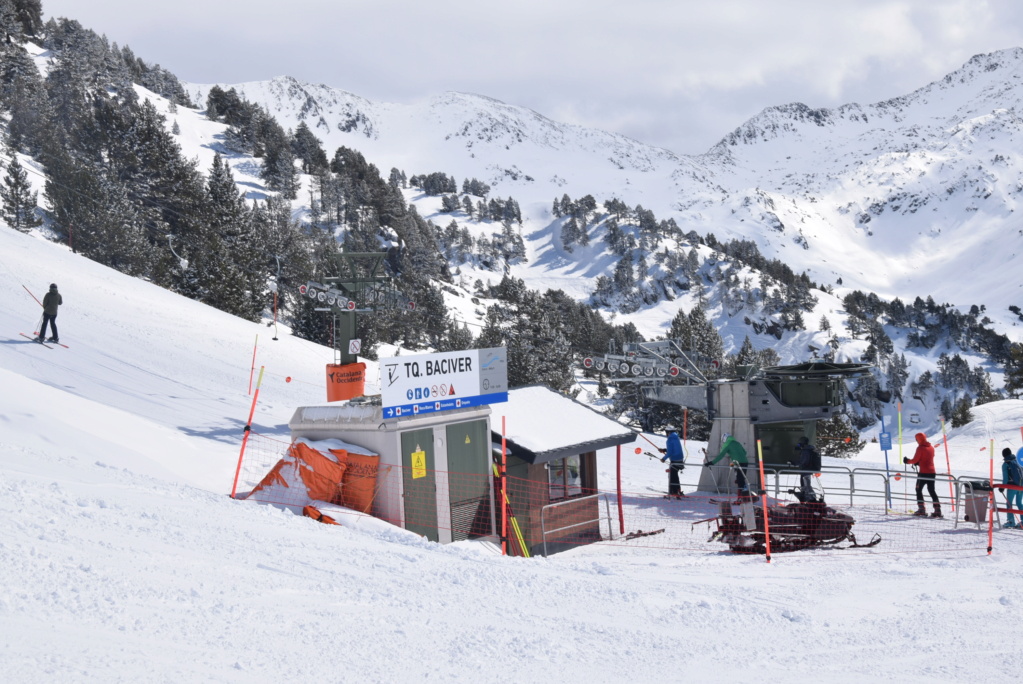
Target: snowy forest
x=119, y=188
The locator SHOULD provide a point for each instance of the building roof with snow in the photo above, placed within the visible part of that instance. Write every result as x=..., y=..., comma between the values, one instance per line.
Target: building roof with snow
x=543, y=425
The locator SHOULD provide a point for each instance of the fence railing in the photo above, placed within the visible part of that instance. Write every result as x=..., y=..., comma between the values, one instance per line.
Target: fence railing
x=576, y=502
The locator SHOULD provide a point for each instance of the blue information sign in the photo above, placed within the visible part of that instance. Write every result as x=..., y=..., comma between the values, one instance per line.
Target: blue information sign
x=886, y=441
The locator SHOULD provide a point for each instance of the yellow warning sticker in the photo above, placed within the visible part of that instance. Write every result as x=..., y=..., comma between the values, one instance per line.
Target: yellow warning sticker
x=418, y=464
x=467, y=440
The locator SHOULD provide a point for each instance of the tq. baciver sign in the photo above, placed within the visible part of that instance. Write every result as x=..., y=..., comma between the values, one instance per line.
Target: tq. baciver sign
x=428, y=383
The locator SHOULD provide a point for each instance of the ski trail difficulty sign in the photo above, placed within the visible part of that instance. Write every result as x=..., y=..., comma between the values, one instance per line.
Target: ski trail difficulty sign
x=427, y=383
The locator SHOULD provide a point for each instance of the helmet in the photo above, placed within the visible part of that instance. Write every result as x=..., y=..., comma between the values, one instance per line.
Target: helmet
x=1007, y=453
x=53, y=286
x=725, y=436
x=670, y=428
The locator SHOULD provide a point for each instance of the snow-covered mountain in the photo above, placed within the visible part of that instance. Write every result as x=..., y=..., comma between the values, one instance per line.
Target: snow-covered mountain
x=913, y=196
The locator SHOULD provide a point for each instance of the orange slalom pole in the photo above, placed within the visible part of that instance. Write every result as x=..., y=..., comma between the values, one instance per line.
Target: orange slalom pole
x=763, y=501
x=248, y=429
x=253, y=368
x=948, y=465
x=992, y=501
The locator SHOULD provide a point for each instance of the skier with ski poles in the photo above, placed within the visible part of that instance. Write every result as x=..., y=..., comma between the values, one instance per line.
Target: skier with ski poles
x=51, y=300
x=736, y=454
x=674, y=453
x=924, y=460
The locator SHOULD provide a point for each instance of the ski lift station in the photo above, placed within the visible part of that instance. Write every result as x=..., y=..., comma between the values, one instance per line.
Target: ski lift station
x=438, y=432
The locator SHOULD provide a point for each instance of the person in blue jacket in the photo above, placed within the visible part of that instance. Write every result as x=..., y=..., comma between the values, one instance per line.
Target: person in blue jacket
x=675, y=455
x=1012, y=474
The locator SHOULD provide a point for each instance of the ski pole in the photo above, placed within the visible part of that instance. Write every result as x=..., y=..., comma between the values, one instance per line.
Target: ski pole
x=645, y=437
x=33, y=296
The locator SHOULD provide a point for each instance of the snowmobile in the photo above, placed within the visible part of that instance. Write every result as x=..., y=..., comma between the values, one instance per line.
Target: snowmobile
x=794, y=526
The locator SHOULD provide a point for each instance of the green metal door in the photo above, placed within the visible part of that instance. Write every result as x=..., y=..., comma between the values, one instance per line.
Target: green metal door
x=419, y=478
x=469, y=479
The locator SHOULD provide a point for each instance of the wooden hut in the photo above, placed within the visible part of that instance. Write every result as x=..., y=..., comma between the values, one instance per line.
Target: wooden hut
x=551, y=443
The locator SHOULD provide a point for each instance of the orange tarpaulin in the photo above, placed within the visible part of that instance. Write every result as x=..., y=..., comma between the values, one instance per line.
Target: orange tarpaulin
x=360, y=479
x=321, y=475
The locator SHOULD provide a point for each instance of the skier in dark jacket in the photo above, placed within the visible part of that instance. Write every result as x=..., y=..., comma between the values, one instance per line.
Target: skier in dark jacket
x=809, y=462
x=51, y=300
x=1012, y=474
x=674, y=453
x=924, y=460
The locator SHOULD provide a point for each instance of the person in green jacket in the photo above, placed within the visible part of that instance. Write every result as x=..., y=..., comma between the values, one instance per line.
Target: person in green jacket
x=736, y=454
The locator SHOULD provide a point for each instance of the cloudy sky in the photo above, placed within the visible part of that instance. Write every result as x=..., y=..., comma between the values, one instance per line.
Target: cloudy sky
x=675, y=73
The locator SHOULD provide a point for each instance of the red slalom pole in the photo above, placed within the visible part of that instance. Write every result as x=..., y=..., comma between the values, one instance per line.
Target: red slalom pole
x=992, y=500
x=504, y=487
x=248, y=430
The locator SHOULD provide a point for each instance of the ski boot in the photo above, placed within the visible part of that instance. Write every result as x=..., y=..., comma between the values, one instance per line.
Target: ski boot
x=921, y=512
x=937, y=511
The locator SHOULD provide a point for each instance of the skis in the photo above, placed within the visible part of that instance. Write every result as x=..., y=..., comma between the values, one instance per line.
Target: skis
x=45, y=344
x=36, y=340
x=641, y=533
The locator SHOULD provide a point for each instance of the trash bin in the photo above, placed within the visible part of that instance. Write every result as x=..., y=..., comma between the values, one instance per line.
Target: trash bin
x=975, y=501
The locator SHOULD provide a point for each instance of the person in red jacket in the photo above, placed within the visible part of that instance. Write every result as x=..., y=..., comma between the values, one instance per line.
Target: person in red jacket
x=924, y=460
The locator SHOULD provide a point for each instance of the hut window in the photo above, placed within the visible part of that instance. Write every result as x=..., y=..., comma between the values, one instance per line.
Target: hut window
x=566, y=478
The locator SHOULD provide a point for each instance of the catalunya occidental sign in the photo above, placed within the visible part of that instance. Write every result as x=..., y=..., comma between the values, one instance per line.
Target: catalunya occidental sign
x=428, y=383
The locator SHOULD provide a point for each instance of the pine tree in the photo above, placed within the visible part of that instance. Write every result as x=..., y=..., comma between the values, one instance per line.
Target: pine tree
x=1014, y=371
x=20, y=203
x=962, y=415
x=236, y=273
x=307, y=147
x=836, y=438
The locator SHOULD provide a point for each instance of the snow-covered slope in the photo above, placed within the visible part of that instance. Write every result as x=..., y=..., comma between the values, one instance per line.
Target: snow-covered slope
x=122, y=559
x=913, y=196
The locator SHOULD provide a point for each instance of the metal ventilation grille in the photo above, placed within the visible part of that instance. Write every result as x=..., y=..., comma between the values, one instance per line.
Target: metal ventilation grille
x=470, y=518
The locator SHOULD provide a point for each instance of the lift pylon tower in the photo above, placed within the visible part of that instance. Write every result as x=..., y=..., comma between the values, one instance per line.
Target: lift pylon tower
x=361, y=286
